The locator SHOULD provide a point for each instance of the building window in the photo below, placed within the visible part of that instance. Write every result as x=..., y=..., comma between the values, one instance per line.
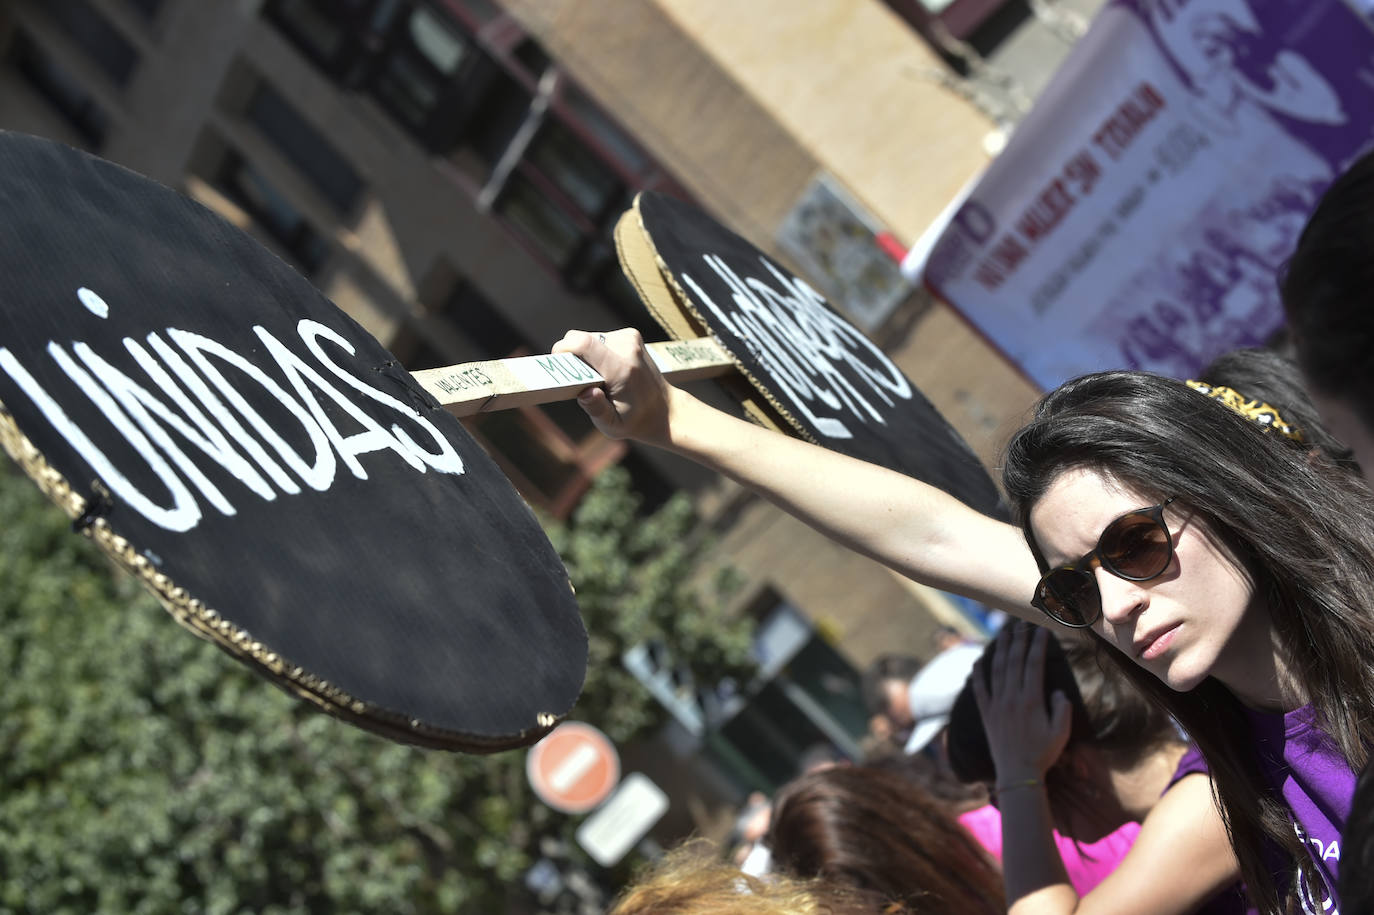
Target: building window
x=246, y=186
x=414, y=74
x=557, y=173
x=62, y=91
x=501, y=111
x=564, y=199
x=554, y=232
x=961, y=19
x=96, y=37
x=305, y=147
x=478, y=12
x=621, y=297
x=441, y=87
x=529, y=454
x=616, y=144
x=332, y=33
x=806, y=694
x=550, y=468
x=647, y=480
x=418, y=63
x=587, y=181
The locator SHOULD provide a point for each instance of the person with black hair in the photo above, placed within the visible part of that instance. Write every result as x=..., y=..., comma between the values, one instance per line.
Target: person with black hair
x=886, y=684
x=1087, y=862
x=1106, y=755
x=1266, y=376
x=1327, y=288
x=1357, y=849
x=1192, y=529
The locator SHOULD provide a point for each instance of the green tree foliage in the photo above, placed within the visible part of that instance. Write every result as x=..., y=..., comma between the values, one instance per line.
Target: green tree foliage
x=143, y=771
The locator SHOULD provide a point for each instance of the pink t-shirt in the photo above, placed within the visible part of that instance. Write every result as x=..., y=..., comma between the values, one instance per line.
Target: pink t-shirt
x=1088, y=864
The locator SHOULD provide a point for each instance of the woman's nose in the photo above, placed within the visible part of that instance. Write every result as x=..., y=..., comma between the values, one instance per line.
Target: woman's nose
x=1121, y=599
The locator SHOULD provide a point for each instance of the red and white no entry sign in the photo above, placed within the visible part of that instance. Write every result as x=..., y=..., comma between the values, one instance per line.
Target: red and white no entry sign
x=574, y=768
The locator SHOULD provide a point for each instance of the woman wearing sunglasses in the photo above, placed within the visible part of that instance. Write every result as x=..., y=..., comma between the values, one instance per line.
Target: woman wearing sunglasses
x=1252, y=625
x=1235, y=576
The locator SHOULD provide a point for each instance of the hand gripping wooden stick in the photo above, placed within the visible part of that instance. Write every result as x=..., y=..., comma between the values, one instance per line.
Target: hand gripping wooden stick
x=502, y=384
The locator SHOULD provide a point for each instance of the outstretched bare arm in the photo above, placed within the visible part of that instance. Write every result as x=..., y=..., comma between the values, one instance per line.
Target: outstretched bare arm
x=910, y=526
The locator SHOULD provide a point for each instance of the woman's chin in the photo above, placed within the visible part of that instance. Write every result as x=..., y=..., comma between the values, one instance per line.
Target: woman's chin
x=1178, y=677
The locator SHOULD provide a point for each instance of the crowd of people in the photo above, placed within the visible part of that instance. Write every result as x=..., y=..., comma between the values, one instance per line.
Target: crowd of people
x=1180, y=721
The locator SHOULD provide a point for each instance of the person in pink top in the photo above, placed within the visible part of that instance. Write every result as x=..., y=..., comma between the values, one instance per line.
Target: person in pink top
x=931, y=698
x=1086, y=863
x=1114, y=757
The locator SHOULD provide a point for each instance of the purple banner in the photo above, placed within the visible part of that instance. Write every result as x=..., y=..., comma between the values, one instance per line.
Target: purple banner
x=1139, y=213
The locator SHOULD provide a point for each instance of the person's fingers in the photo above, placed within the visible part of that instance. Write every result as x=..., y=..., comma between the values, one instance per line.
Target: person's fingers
x=1033, y=674
x=605, y=350
x=580, y=343
x=597, y=405
x=979, y=679
x=631, y=399
x=574, y=341
x=593, y=347
x=1005, y=663
x=1019, y=671
x=1061, y=714
x=627, y=343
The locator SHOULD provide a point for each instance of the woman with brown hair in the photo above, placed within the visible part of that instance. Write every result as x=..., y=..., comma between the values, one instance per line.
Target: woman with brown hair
x=875, y=830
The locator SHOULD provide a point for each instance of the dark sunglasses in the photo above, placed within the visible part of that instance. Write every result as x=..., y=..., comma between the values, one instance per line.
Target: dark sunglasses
x=1137, y=547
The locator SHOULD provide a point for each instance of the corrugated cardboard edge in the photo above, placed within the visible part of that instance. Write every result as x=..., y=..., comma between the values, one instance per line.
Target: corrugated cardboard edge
x=209, y=624
x=668, y=303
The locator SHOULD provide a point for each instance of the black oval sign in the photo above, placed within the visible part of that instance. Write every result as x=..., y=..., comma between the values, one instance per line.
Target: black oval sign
x=822, y=374
x=266, y=467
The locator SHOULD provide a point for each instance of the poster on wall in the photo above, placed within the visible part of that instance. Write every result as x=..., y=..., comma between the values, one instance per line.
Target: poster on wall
x=835, y=242
x=1139, y=213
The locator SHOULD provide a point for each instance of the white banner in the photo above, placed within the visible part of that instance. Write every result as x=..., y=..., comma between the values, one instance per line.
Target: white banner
x=1139, y=213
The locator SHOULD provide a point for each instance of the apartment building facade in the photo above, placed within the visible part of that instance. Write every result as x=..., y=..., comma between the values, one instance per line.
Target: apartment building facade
x=448, y=172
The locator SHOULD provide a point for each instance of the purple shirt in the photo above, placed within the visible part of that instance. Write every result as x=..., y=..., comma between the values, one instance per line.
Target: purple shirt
x=1189, y=763
x=1305, y=766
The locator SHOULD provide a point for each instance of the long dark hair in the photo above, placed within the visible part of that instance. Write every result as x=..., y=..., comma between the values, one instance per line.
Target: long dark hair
x=875, y=830
x=1302, y=530
x=1110, y=715
x=1356, y=881
x=1268, y=376
x=1328, y=289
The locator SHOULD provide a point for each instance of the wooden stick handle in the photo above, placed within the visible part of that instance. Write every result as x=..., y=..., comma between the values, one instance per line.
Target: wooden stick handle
x=501, y=384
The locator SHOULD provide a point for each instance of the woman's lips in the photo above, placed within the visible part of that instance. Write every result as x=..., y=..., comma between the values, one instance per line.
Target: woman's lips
x=1155, y=644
